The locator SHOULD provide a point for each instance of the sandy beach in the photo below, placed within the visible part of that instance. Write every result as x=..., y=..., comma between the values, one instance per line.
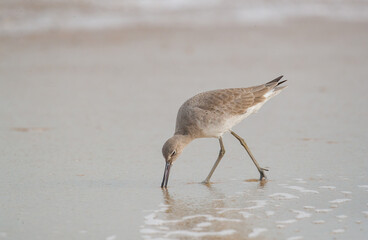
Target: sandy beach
x=84, y=114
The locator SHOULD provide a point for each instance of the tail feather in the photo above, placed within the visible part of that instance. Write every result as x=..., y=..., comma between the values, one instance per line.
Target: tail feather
x=281, y=82
x=275, y=80
x=265, y=92
x=274, y=87
x=278, y=89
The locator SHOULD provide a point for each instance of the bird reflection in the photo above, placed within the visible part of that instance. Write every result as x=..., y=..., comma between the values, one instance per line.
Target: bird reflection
x=213, y=212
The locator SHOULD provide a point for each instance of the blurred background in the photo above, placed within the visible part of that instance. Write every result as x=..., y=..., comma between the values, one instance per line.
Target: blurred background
x=26, y=16
x=89, y=92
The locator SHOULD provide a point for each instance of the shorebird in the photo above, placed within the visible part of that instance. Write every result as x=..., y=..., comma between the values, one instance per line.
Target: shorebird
x=211, y=114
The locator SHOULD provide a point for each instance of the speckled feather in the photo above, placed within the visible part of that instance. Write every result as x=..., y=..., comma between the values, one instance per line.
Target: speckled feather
x=212, y=109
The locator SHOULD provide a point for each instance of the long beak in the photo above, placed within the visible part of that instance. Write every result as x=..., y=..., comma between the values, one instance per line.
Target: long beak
x=166, y=175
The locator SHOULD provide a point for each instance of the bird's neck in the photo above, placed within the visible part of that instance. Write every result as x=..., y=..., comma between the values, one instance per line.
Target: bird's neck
x=184, y=139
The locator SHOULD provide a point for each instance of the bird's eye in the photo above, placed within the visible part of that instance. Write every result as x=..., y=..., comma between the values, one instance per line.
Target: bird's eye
x=173, y=153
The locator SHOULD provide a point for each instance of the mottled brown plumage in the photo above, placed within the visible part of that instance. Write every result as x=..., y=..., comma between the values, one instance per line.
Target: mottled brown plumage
x=215, y=107
x=212, y=113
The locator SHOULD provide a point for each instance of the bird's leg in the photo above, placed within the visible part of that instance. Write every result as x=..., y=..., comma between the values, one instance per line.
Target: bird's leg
x=242, y=142
x=221, y=154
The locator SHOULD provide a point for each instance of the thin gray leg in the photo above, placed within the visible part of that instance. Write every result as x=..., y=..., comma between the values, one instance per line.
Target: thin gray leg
x=242, y=142
x=221, y=154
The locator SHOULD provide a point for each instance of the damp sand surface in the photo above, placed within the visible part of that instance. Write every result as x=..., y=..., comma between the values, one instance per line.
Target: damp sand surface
x=84, y=116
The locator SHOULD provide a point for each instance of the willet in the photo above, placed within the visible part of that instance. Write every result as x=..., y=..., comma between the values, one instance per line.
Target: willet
x=211, y=114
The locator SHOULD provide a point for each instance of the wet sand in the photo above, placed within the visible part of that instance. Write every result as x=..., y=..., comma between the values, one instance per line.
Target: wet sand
x=84, y=116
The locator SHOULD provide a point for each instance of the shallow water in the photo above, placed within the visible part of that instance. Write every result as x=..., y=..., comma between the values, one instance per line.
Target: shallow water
x=241, y=210
x=84, y=117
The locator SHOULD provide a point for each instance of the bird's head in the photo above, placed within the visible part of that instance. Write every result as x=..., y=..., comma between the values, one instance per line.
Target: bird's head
x=171, y=150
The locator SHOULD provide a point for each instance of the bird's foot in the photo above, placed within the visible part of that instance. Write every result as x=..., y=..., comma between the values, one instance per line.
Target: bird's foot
x=262, y=174
x=206, y=182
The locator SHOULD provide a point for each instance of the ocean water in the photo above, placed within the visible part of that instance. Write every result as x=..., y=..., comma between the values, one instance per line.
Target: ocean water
x=24, y=17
